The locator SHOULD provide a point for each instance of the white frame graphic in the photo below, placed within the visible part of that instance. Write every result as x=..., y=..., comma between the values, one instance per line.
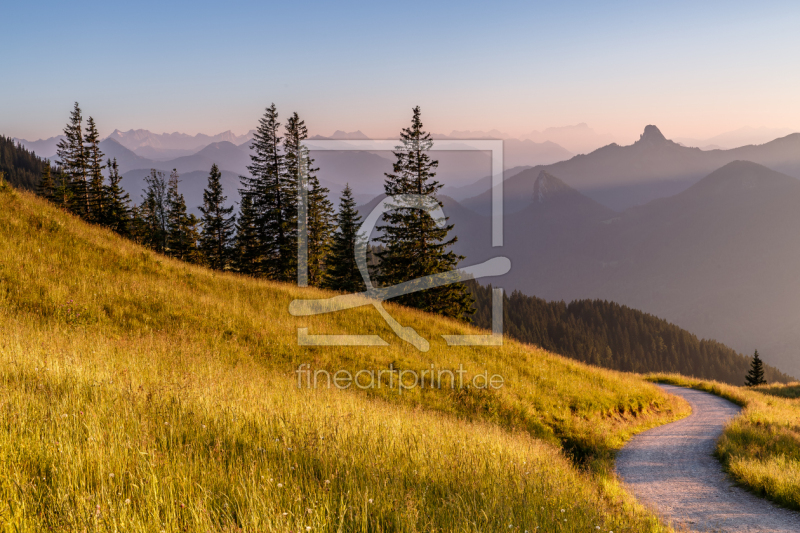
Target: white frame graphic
x=375, y=296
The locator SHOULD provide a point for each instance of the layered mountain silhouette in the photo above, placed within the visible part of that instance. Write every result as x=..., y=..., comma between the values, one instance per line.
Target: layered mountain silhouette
x=136, y=140
x=620, y=177
x=721, y=259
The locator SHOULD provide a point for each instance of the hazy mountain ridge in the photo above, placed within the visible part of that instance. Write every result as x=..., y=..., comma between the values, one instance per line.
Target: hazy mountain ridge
x=741, y=137
x=653, y=167
x=135, y=139
x=718, y=259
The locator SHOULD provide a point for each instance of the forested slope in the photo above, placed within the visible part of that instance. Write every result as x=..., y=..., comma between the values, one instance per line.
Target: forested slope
x=615, y=336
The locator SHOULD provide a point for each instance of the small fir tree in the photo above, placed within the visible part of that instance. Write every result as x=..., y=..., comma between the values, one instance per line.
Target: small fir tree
x=47, y=186
x=181, y=228
x=246, y=244
x=342, y=273
x=117, y=209
x=756, y=374
x=320, y=227
x=152, y=213
x=218, y=224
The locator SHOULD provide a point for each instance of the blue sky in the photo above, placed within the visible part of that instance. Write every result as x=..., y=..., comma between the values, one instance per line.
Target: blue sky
x=694, y=70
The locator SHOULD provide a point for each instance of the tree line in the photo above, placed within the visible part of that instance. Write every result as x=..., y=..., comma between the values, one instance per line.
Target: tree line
x=21, y=167
x=261, y=239
x=615, y=336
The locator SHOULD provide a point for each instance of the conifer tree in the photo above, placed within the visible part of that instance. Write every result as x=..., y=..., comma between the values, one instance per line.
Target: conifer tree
x=218, y=224
x=181, y=229
x=319, y=212
x=295, y=162
x=152, y=213
x=342, y=273
x=756, y=374
x=63, y=192
x=47, y=186
x=246, y=248
x=319, y=227
x=96, y=201
x=117, y=213
x=137, y=226
x=72, y=160
x=415, y=245
x=267, y=195
x=191, y=232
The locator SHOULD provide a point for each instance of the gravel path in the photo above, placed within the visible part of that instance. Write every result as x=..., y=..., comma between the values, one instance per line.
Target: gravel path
x=671, y=469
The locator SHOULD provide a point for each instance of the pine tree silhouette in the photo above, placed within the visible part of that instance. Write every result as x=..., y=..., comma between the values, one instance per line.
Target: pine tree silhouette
x=416, y=246
x=342, y=273
x=756, y=374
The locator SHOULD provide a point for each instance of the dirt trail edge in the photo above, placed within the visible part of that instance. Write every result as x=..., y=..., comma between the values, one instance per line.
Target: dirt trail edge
x=671, y=469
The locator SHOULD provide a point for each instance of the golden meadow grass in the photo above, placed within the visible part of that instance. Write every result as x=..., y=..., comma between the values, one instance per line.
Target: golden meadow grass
x=139, y=393
x=761, y=447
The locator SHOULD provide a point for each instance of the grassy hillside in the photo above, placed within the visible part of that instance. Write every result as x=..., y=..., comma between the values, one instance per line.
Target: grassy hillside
x=761, y=447
x=138, y=393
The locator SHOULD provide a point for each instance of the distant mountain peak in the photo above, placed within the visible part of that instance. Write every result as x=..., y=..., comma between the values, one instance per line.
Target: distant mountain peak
x=547, y=187
x=652, y=135
x=741, y=176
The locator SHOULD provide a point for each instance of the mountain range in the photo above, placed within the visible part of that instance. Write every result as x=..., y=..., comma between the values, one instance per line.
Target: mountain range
x=734, y=139
x=720, y=259
x=621, y=177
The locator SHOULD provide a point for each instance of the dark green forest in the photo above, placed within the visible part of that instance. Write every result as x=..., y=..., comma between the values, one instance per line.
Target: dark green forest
x=615, y=336
x=22, y=168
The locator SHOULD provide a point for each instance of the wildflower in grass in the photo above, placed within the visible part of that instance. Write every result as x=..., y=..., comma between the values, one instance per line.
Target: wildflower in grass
x=280, y=485
x=127, y=501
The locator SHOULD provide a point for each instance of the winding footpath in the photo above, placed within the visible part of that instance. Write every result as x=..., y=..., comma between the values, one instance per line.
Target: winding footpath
x=671, y=469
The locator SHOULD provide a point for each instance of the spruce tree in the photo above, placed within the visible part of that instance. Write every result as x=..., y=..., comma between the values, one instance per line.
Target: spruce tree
x=192, y=232
x=342, y=273
x=319, y=227
x=47, y=186
x=152, y=213
x=218, y=224
x=319, y=212
x=181, y=228
x=247, y=247
x=415, y=245
x=267, y=194
x=72, y=160
x=138, y=229
x=296, y=163
x=63, y=192
x=756, y=374
x=117, y=213
x=96, y=202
